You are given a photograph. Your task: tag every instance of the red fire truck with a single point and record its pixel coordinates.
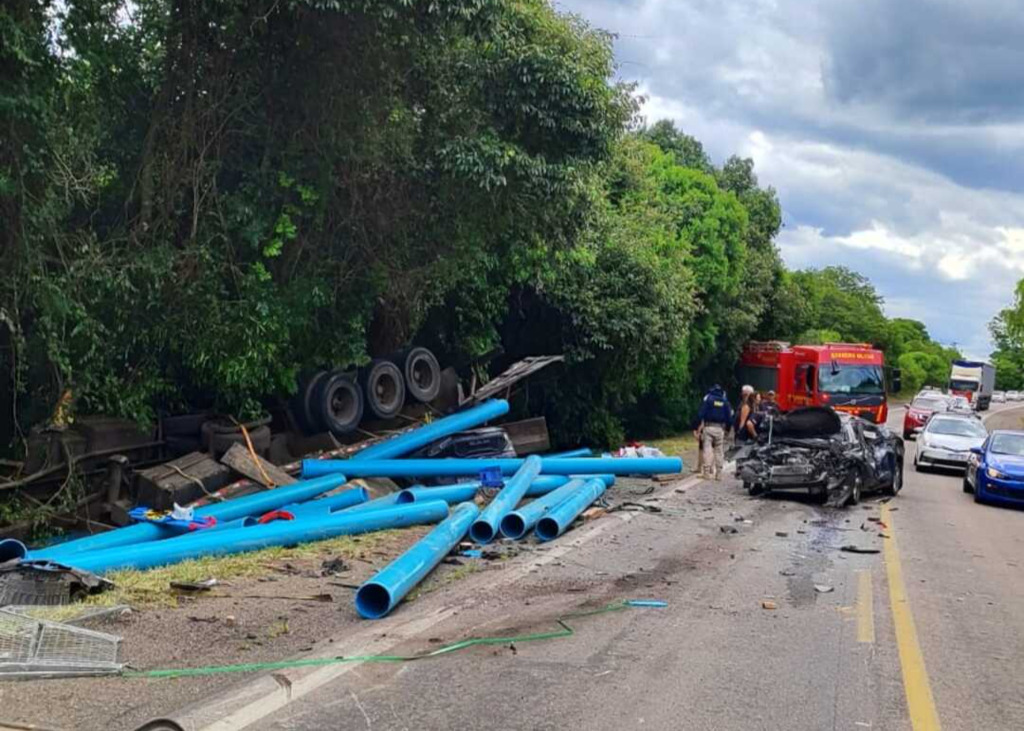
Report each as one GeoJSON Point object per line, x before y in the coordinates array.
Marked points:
{"type": "Point", "coordinates": [847, 376]}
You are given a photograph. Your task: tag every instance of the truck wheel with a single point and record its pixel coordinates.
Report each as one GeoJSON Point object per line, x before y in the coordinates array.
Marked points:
{"type": "Point", "coordinates": [384, 388]}
{"type": "Point", "coordinates": [422, 373]}
{"type": "Point", "coordinates": [218, 438]}
{"type": "Point", "coordinates": [302, 403]}
{"type": "Point", "coordinates": [339, 403]}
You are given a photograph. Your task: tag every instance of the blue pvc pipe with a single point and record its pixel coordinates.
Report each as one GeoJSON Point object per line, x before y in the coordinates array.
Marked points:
{"type": "Point", "coordinates": [508, 466]}
{"type": "Point", "coordinates": [11, 549]}
{"type": "Point", "coordinates": [344, 499]}
{"type": "Point", "coordinates": [545, 484]}
{"type": "Point", "coordinates": [485, 527]}
{"type": "Point", "coordinates": [554, 523]}
{"type": "Point", "coordinates": [451, 494]}
{"type": "Point", "coordinates": [379, 595]}
{"type": "Point", "coordinates": [385, 501]}
{"type": "Point", "coordinates": [278, 533]}
{"type": "Point", "coordinates": [246, 522]}
{"type": "Point", "coordinates": [405, 443]}
{"type": "Point", "coordinates": [518, 523]}
{"type": "Point", "coordinates": [257, 504]}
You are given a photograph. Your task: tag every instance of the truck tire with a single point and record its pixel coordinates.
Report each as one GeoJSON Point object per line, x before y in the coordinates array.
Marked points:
{"type": "Point", "coordinates": [218, 438]}
{"type": "Point", "coordinates": [422, 373]}
{"type": "Point", "coordinates": [383, 388]}
{"type": "Point", "coordinates": [302, 403]}
{"type": "Point", "coordinates": [339, 403]}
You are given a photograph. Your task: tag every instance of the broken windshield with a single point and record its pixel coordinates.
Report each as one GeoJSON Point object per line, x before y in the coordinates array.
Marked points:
{"type": "Point", "coordinates": [863, 380]}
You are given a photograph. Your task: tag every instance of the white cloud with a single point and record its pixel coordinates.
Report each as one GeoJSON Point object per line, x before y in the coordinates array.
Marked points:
{"type": "Point", "coordinates": [876, 167]}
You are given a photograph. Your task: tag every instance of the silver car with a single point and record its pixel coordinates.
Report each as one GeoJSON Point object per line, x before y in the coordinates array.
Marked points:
{"type": "Point", "coordinates": [946, 441]}
{"type": "Point", "coordinates": [998, 397]}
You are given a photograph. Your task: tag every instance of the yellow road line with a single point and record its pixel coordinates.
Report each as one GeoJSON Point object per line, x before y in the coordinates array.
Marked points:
{"type": "Point", "coordinates": [920, 702]}
{"type": "Point", "coordinates": [865, 608]}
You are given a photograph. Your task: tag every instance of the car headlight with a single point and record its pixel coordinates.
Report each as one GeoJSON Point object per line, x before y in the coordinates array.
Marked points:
{"type": "Point", "coordinates": [995, 474]}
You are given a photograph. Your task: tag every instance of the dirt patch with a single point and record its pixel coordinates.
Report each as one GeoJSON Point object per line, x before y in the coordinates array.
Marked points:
{"type": "Point", "coordinates": [257, 614]}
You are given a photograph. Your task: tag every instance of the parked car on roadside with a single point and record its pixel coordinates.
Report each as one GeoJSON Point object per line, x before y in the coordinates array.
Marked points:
{"type": "Point", "coordinates": [1013, 395]}
{"type": "Point", "coordinates": [831, 455]}
{"type": "Point", "coordinates": [946, 441]}
{"type": "Point", "coordinates": [998, 397]}
{"type": "Point", "coordinates": [920, 410]}
{"type": "Point", "coordinates": [995, 472]}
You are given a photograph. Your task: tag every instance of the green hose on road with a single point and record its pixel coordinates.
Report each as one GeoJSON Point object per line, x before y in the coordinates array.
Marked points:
{"type": "Point", "coordinates": [564, 631]}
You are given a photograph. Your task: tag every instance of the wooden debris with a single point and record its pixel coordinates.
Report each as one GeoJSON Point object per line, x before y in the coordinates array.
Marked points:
{"type": "Point", "coordinates": [241, 461]}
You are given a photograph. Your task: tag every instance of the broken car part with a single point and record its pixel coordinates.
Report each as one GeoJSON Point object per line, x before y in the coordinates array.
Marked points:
{"type": "Point", "coordinates": [831, 455]}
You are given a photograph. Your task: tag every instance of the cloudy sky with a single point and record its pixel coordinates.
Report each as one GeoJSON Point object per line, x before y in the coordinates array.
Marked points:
{"type": "Point", "coordinates": [892, 130]}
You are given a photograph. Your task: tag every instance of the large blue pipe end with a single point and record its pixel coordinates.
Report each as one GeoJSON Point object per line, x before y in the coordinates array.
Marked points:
{"type": "Point", "coordinates": [547, 529]}
{"type": "Point", "coordinates": [513, 526]}
{"type": "Point", "coordinates": [11, 549]}
{"type": "Point", "coordinates": [373, 600]}
{"type": "Point", "coordinates": [481, 531]}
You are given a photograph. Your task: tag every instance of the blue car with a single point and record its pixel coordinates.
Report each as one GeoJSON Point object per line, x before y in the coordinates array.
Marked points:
{"type": "Point", "coordinates": [995, 471]}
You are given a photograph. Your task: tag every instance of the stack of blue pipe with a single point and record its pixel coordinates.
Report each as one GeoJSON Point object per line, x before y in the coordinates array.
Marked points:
{"type": "Point", "coordinates": [564, 485]}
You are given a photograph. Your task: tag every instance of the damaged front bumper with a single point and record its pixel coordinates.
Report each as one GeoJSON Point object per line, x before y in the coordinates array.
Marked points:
{"type": "Point", "coordinates": [822, 470]}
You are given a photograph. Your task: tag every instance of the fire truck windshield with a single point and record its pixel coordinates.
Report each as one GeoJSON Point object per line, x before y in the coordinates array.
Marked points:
{"type": "Point", "coordinates": [864, 380]}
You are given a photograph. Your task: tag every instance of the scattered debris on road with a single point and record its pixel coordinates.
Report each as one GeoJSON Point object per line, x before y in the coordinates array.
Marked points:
{"type": "Point", "coordinates": [859, 549]}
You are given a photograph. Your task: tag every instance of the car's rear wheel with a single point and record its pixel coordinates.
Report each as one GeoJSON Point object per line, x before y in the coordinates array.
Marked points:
{"type": "Point", "coordinates": [907, 435]}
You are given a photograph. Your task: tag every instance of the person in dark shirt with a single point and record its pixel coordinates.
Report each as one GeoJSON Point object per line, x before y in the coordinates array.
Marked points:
{"type": "Point", "coordinates": [715, 420]}
{"type": "Point", "coordinates": [746, 426]}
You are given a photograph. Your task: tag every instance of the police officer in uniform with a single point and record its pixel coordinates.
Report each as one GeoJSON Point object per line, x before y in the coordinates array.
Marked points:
{"type": "Point", "coordinates": [715, 416]}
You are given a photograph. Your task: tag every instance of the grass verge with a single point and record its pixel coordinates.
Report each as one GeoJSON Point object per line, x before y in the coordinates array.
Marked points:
{"type": "Point", "coordinates": [152, 586]}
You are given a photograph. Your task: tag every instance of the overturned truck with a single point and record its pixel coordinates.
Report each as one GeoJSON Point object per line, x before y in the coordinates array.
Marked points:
{"type": "Point", "coordinates": [833, 456]}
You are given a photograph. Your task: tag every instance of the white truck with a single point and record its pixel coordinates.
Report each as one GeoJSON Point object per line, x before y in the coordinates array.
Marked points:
{"type": "Point", "coordinates": [974, 379]}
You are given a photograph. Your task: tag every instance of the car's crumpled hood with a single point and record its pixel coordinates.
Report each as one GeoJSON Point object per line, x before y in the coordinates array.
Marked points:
{"type": "Point", "coordinates": [810, 422]}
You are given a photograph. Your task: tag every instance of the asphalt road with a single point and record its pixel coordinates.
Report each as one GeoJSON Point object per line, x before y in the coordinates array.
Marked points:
{"type": "Point", "coordinates": [770, 627]}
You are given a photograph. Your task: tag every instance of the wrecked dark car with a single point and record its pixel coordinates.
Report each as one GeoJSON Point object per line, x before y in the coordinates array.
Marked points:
{"type": "Point", "coordinates": [833, 456]}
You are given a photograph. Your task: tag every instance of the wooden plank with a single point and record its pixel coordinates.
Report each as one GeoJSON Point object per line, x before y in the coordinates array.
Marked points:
{"type": "Point", "coordinates": [181, 481]}
{"type": "Point", "coordinates": [240, 460]}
